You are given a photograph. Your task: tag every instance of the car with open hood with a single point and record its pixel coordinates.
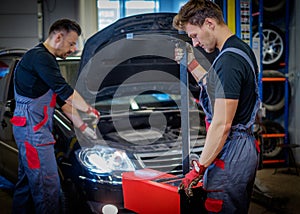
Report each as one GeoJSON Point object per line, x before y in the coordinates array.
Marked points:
{"type": "Point", "coordinates": [127, 72]}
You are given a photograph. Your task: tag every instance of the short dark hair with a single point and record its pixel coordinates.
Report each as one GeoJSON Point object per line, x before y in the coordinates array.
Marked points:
{"type": "Point", "coordinates": [65, 24]}
{"type": "Point", "coordinates": [195, 12]}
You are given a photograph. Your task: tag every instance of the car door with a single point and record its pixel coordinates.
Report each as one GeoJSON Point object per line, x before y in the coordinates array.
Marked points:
{"type": "Point", "coordinates": [8, 148]}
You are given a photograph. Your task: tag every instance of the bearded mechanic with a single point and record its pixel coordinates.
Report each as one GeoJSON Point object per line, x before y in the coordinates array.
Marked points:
{"type": "Point", "coordinates": [229, 97]}
{"type": "Point", "coordinates": [38, 82]}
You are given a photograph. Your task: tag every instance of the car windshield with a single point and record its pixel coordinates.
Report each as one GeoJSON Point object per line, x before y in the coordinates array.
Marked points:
{"type": "Point", "coordinates": [159, 96]}
{"type": "Point", "coordinates": [148, 101]}
{"type": "Point", "coordinates": [69, 69]}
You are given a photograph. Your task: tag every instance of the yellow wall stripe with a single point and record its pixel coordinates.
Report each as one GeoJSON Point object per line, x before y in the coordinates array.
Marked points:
{"type": "Point", "coordinates": [231, 15]}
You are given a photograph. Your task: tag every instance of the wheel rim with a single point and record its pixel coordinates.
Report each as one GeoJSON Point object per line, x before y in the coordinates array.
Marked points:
{"type": "Point", "coordinates": [272, 46]}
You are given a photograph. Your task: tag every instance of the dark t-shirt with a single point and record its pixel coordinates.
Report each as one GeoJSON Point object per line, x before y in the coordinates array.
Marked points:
{"type": "Point", "coordinates": [37, 72]}
{"type": "Point", "coordinates": [234, 79]}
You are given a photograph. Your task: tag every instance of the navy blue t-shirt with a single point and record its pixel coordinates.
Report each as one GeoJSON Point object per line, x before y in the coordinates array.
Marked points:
{"type": "Point", "coordinates": [37, 72]}
{"type": "Point", "coordinates": [234, 79]}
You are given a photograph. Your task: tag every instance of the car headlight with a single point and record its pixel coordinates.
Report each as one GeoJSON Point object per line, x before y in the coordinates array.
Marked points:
{"type": "Point", "coordinates": [104, 160]}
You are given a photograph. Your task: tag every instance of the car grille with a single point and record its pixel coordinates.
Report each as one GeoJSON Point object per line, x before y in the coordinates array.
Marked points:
{"type": "Point", "coordinates": [168, 161]}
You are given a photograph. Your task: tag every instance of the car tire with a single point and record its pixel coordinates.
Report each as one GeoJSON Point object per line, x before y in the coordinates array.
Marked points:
{"type": "Point", "coordinates": [272, 9]}
{"type": "Point", "coordinates": [270, 145]}
{"type": "Point", "coordinates": [273, 91]}
{"type": "Point", "coordinates": [274, 95]}
{"type": "Point", "coordinates": [73, 201]}
{"type": "Point", "coordinates": [64, 202]}
{"type": "Point", "coordinates": [273, 46]}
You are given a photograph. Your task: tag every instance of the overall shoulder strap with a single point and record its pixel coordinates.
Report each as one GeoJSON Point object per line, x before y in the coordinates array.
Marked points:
{"type": "Point", "coordinates": [239, 52]}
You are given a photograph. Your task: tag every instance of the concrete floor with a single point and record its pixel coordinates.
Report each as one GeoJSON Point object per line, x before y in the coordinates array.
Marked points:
{"type": "Point", "coordinates": [5, 201]}
{"type": "Point", "coordinates": [279, 193]}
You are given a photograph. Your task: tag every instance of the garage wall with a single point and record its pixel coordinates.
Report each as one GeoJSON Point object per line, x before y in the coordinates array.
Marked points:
{"type": "Point", "coordinates": [18, 21]}
{"type": "Point", "coordinates": [82, 11]}
{"type": "Point", "coordinates": [294, 77]}
{"type": "Point", "coordinates": [167, 6]}
{"type": "Point", "coordinates": [25, 23]}
{"type": "Point", "coordinates": [57, 9]}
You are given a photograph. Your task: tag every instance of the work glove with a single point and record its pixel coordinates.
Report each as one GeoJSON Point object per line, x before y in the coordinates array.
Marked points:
{"type": "Point", "coordinates": [179, 53]}
{"type": "Point", "coordinates": [88, 132]}
{"type": "Point", "coordinates": [192, 178]}
{"type": "Point", "coordinates": [92, 112]}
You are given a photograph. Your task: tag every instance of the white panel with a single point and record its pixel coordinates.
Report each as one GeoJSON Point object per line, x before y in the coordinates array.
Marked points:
{"type": "Point", "coordinates": [87, 19]}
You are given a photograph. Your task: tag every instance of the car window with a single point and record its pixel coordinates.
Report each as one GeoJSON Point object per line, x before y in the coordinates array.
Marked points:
{"type": "Point", "coordinates": [4, 69]}
{"type": "Point", "coordinates": [7, 66]}
{"type": "Point", "coordinates": [69, 69]}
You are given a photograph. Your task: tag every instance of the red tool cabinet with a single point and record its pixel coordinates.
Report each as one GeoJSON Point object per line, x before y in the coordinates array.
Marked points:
{"type": "Point", "coordinates": [149, 191]}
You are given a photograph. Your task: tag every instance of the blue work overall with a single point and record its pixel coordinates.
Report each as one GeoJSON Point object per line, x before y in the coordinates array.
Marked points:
{"type": "Point", "coordinates": [229, 179]}
{"type": "Point", "coordinates": [38, 180]}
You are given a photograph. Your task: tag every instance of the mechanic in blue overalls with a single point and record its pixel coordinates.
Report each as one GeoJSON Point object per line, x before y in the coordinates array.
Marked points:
{"type": "Point", "coordinates": [229, 97]}
{"type": "Point", "coordinates": [38, 82]}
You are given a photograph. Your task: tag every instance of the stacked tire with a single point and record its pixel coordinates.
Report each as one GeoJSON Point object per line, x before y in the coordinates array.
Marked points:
{"type": "Point", "coordinates": [273, 61]}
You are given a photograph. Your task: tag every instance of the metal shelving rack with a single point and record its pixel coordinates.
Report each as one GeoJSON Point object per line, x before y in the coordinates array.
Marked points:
{"type": "Point", "coordinates": [286, 145]}
{"type": "Point", "coordinates": [238, 16]}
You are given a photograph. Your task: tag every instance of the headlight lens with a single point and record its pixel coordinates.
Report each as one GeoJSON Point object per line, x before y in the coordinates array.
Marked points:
{"type": "Point", "coordinates": [105, 160]}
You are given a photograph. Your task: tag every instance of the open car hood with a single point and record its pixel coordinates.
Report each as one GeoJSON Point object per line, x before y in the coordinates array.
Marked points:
{"type": "Point", "coordinates": [152, 23]}
{"type": "Point", "coordinates": [129, 50]}
{"type": "Point", "coordinates": [133, 59]}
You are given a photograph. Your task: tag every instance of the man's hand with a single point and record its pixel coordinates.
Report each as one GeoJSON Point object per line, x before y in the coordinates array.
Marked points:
{"type": "Point", "coordinates": [179, 53]}
{"type": "Point", "coordinates": [192, 178]}
{"type": "Point", "coordinates": [92, 112]}
{"type": "Point", "coordinates": [88, 132]}
{"type": "Point", "coordinates": [193, 66]}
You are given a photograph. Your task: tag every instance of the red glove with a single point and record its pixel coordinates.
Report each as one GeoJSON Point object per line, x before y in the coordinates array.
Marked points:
{"type": "Point", "coordinates": [92, 112]}
{"type": "Point", "coordinates": [87, 131]}
{"type": "Point", "coordinates": [192, 178]}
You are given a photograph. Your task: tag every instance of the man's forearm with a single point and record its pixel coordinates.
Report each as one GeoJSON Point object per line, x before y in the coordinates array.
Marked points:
{"type": "Point", "coordinates": [196, 70]}
{"type": "Point", "coordinates": [215, 140]}
{"type": "Point", "coordinates": [72, 114]}
{"type": "Point", "coordinates": [77, 102]}
{"type": "Point", "coordinates": [224, 111]}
